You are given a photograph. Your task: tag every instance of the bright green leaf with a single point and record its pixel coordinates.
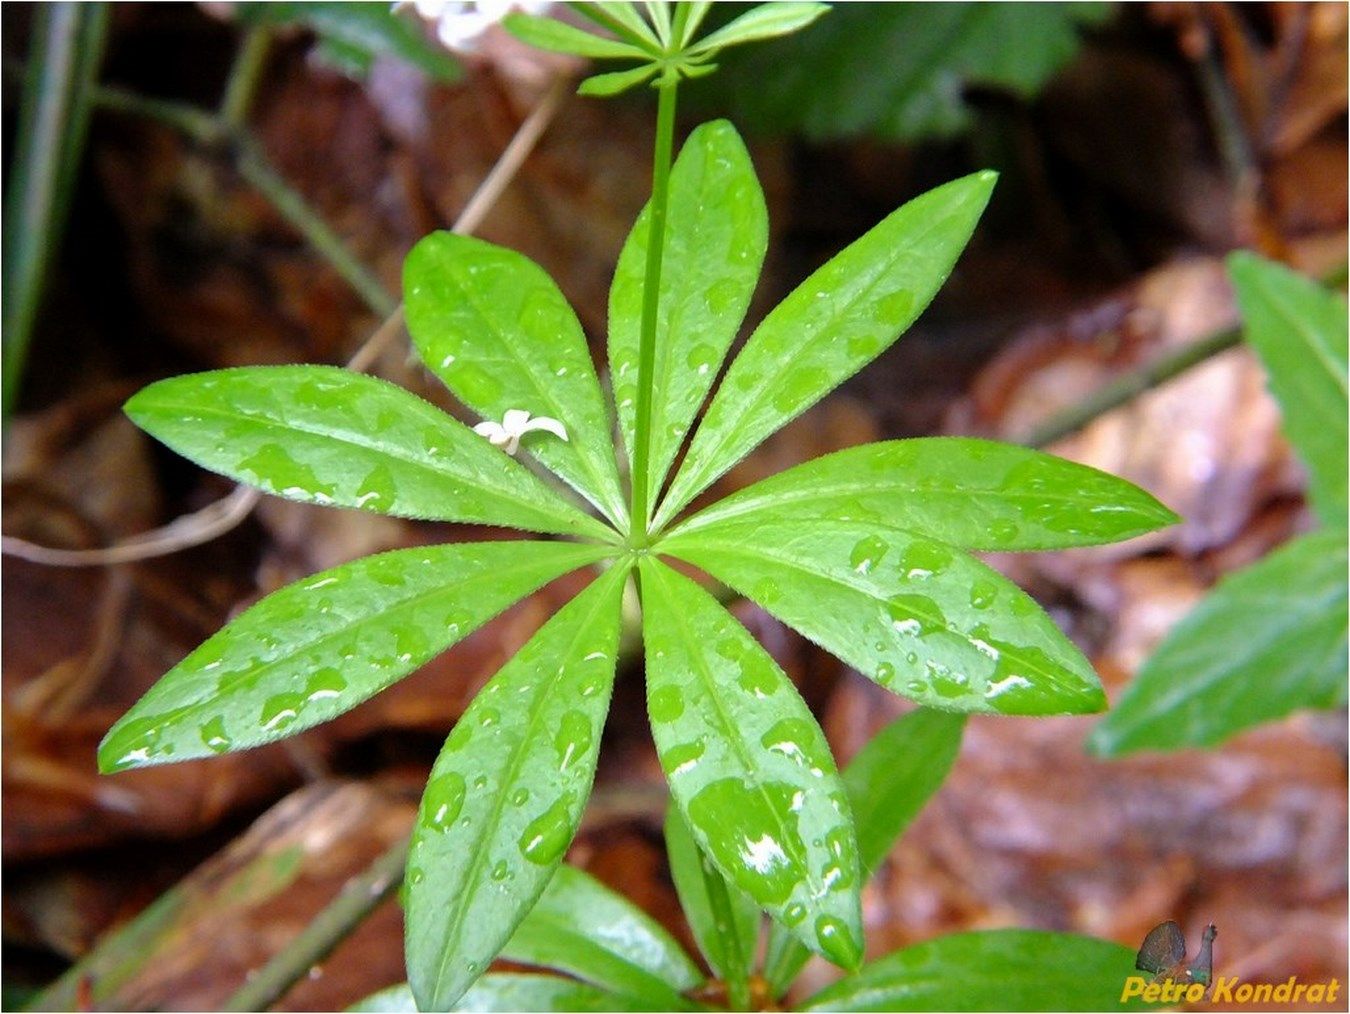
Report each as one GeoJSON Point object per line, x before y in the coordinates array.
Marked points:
{"type": "Point", "coordinates": [494, 327]}
{"type": "Point", "coordinates": [724, 920]}
{"type": "Point", "coordinates": [624, 21]}
{"type": "Point", "coordinates": [832, 325]}
{"type": "Point", "coordinates": [1268, 640]}
{"type": "Point", "coordinates": [994, 970]}
{"type": "Point", "coordinates": [888, 783]}
{"type": "Point", "coordinates": [717, 230]}
{"type": "Point", "coordinates": [583, 928]}
{"type": "Point", "coordinates": [324, 435]}
{"type": "Point", "coordinates": [698, 10]}
{"type": "Point", "coordinates": [505, 796]}
{"type": "Point", "coordinates": [508, 992]}
{"type": "Point", "coordinates": [767, 21]}
{"type": "Point", "coordinates": [321, 646]}
{"type": "Point", "coordinates": [604, 85]}
{"type": "Point", "coordinates": [748, 765]}
{"type": "Point", "coordinates": [977, 494]}
{"type": "Point", "coordinates": [558, 37]}
{"type": "Point", "coordinates": [1299, 330]}
{"type": "Point", "coordinates": [919, 617]}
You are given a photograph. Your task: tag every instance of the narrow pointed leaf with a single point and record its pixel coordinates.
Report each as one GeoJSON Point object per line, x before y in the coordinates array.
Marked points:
{"type": "Point", "coordinates": [919, 617]}
{"type": "Point", "coordinates": [994, 970]}
{"type": "Point", "coordinates": [767, 21]}
{"type": "Point", "coordinates": [832, 325]}
{"type": "Point", "coordinates": [1268, 640]}
{"type": "Point", "coordinates": [716, 233]}
{"type": "Point", "coordinates": [505, 796]}
{"type": "Point", "coordinates": [748, 766]}
{"type": "Point", "coordinates": [603, 85]}
{"type": "Point", "coordinates": [977, 494]}
{"type": "Point", "coordinates": [698, 10]}
{"type": "Point", "coordinates": [321, 646]}
{"type": "Point", "coordinates": [558, 37]}
{"type": "Point", "coordinates": [888, 783]}
{"type": "Point", "coordinates": [508, 992]}
{"type": "Point", "coordinates": [1299, 330]}
{"type": "Point", "coordinates": [583, 928]}
{"type": "Point", "coordinates": [623, 20]}
{"type": "Point", "coordinates": [323, 435]}
{"type": "Point", "coordinates": [493, 326]}
{"type": "Point", "coordinates": [724, 920]}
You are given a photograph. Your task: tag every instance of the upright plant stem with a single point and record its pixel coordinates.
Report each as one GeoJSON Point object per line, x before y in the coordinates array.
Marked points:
{"type": "Point", "coordinates": [651, 295]}
{"type": "Point", "coordinates": [245, 76]}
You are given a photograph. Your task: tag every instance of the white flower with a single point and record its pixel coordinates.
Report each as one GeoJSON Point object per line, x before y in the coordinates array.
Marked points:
{"type": "Point", "coordinates": [514, 425]}
{"type": "Point", "coordinates": [459, 24]}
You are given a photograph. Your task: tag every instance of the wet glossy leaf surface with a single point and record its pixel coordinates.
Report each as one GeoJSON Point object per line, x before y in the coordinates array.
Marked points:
{"type": "Point", "coordinates": [329, 436]}
{"type": "Point", "coordinates": [724, 920]}
{"type": "Point", "coordinates": [583, 928]}
{"type": "Point", "coordinates": [978, 494]}
{"type": "Point", "coordinates": [920, 618]}
{"type": "Point", "coordinates": [748, 766]}
{"type": "Point", "coordinates": [494, 327]}
{"type": "Point", "coordinates": [1268, 640]}
{"type": "Point", "coordinates": [888, 783]}
{"type": "Point", "coordinates": [717, 229]}
{"type": "Point", "coordinates": [836, 322]}
{"type": "Point", "coordinates": [1299, 330]}
{"type": "Point", "coordinates": [508, 992]}
{"type": "Point", "coordinates": [505, 796]}
{"type": "Point", "coordinates": [321, 646]}
{"type": "Point", "coordinates": [997, 970]}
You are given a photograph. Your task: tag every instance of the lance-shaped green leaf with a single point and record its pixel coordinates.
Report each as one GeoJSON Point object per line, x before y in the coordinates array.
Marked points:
{"type": "Point", "coordinates": [888, 783]}
{"type": "Point", "coordinates": [1299, 330]}
{"type": "Point", "coordinates": [832, 325]}
{"type": "Point", "coordinates": [716, 232]}
{"type": "Point", "coordinates": [748, 766]}
{"type": "Point", "coordinates": [994, 970]}
{"type": "Point", "coordinates": [508, 992]}
{"type": "Point", "coordinates": [506, 794]}
{"type": "Point", "coordinates": [624, 21]}
{"type": "Point", "coordinates": [724, 920]}
{"type": "Point", "coordinates": [583, 928]}
{"type": "Point", "coordinates": [493, 326]}
{"type": "Point", "coordinates": [322, 645]}
{"type": "Point", "coordinates": [977, 494]}
{"type": "Point", "coordinates": [767, 21]}
{"type": "Point", "coordinates": [558, 37]}
{"type": "Point", "coordinates": [605, 85]}
{"type": "Point", "coordinates": [1268, 640]}
{"type": "Point", "coordinates": [919, 617]}
{"type": "Point", "coordinates": [324, 435]}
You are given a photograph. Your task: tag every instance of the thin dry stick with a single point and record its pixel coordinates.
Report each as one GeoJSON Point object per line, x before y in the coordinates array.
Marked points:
{"type": "Point", "coordinates": [229, 511]}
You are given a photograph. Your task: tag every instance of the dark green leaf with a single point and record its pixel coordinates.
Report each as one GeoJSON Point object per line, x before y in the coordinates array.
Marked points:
{"type": "Point", "coordinates": [767, 21]}
{"type": "Point", "coordinates": [717, 229]}
{"type": "Point", "coordinates": [888, 783]}
{"type": "Point", "coordinates": [832, 325]}
{"type": "Point", "coordinates": [748, 765]}
{"type": "Point", "coordinates": [1268, 640]}
{"type": "Point", "coordinates": [919, 617]}
{"type": "Point", "coordinates": [508, 992]}
{"type": "Point", "coordinates": [321, 646]}
{"type": "Point", "coordinates": [1299, 330]}
{"type": "Point", "coordinates": [897, 71]}
{"type": "Point", "coordinates": [557, 37]}
{"type": "Point", "coordinates": [324, 435]}
{"type": "Point", "coordinates": [995, 970]}
{"type": "Point", "coordinates": [583, 928]}
{"type": "Point", "coordinates": [724, 920]}
{"type": "Point", "coordinates": [976, 494]}
{"type": "Point", "coordinates": [506, 794]}
{"type": "Point", "coordinates": [493, 326]}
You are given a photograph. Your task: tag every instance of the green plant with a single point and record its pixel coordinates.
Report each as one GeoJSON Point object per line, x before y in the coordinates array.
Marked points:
{"type": "Point", "coordinates": [863, 551]}
{"type": "Point", "coordinates": [1270, 639]}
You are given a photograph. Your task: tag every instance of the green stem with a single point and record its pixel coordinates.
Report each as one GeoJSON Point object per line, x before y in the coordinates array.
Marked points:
{"type": "Point", "coordinates": [651, 296]}
{"type": "Point", "coordinates": [245, 76]}
{"type": "Point", "coordinates": [738, 986]}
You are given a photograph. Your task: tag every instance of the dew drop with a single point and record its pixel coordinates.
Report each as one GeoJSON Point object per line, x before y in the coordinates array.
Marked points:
{"type": "Point", "coordinates": [520, 796]}
{"type": "Point", "coordinates": [794, 914]}
{"type": "Point", "coordinates": [867, 554]}
{"type": "Point", "coordinates": [665, 704]}
{"type": "Point", "coordinates": [215, 737]}
{"type": "Point", "coordinates": [325, 684]}
{"type": "Point", "coordinates": [573, 740]}
{"type": "Point", "coordinates": [885, 673]}
{"type": "Point", "coordinates": [679, 759]}
{"type": "Point", "coordinates": [837, 941]}
{"type": "Point", "coordinates": [983, 594]}
{"type": "Point", "coordinates": [753, 830]}
{"type": "Point", "coordinates": [280, 710]}
{"type": "Point", "coordinates": [501, 871]}
{"type": "Point", "coordinates": [443, 801]}
{"type": "Point", "coordinates": [548, 835]}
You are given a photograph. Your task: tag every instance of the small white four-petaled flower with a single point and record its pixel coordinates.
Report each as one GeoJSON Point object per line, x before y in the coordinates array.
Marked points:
{"type": "Point", "coordinates": [514, 425]}
{"type": "Point", "coordinates": [459, 24]}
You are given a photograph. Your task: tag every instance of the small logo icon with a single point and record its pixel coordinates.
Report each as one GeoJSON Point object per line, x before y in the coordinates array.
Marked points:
{"type": "Point", "coordinates": [1164, 955]}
